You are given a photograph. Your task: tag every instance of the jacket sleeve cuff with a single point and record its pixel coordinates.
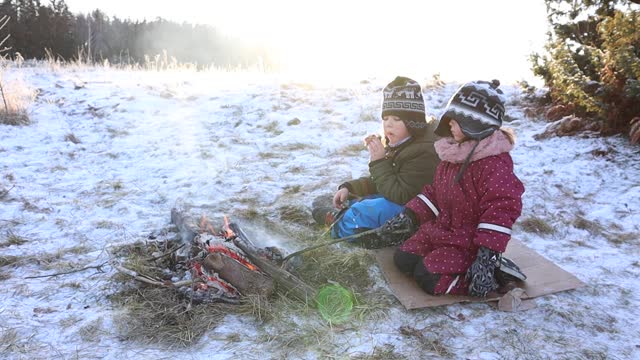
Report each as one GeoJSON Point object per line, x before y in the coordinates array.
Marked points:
{"type": "Point", "coordinates": [423, 208]}
{"type": "Point", "coordinates": [492, 236]}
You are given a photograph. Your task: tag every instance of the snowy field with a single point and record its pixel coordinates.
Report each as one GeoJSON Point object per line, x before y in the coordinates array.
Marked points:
{"type": "Point", "coordinates": [110, 152]}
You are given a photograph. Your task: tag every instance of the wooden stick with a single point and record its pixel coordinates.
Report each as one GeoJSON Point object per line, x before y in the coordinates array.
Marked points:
{"type": "Point", "coordinates": [149, 280]}
{"type": "Point", "coordinates": [97, 267]}
{"type": "Point", "coordinates": [171, 251]}
{"type": "Point", "coordinates": [352, 237]}
{"type": "Point", "coordinates": [284, 279]}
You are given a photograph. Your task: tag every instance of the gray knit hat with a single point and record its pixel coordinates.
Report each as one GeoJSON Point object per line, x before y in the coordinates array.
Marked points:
{"type": "Point", "coordinates": [478, 107]}
{"type": "Point", "coordinates": [403, 98]}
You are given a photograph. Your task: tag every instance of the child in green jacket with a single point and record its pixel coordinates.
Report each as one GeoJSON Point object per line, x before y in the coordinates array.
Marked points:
{"type": "Point", "coordinates": [400, 164]}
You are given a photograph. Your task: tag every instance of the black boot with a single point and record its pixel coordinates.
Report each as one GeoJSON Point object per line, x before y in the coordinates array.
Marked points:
{"type": "Point", "coordinates": [509, 270]}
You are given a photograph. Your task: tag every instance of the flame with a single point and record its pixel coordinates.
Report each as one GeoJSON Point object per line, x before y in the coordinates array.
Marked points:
{"type": "Point", "coordinates": [228, 233]}
{"type": "Point", "coordinates": [205, 225]}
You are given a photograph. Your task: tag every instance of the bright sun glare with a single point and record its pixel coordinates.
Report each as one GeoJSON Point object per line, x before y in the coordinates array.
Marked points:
{"type": "Point", "coordinates": [334, 39]}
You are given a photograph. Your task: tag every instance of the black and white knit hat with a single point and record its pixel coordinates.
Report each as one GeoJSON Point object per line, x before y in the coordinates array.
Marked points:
{"type": "Point", "coordinates": [403, 98]}
{"type": "Point", "coordinates": [478, 107]}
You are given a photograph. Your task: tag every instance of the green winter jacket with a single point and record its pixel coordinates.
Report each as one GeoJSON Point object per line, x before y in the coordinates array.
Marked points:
{"type": "Point", "coordinates": [400, 176]}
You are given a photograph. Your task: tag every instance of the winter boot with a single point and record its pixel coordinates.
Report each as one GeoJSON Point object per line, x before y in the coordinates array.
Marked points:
{"type": "Point", "coordinates": [325, 215]}
{"type": "Point", "coordinates": [509, 271]}
{"type": "Point", "coordinates": [325, 200]}
{"type": "Point", "coordinates": [323, 211]}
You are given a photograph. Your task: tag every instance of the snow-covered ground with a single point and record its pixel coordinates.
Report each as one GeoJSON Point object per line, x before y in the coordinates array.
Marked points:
{"type": "Point", "coordinates": [103, 164]}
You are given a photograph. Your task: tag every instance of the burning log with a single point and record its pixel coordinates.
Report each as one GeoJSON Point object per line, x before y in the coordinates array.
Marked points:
{"type": "Point", "coordinates": [247, 277]}
{"type": "Point", "coordinates": [289, 282]}
{"type": "Point", "coordinates": [248, 282]}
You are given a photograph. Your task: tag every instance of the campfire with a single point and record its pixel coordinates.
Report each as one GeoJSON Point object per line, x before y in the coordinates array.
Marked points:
{"type": "Point", "coordinates": [209, 265]}
{"type": "Point", "coordinates": [220, 269]}
{"type": "Point", "coordinates": [189, 276]}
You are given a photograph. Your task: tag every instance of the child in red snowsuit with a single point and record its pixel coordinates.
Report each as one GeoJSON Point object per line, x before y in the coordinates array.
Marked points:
{"type": "Point", "coordinates": [464, 218]}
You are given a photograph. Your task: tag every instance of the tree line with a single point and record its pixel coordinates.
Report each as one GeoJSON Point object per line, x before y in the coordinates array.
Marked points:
{"type": "Point", "coordinates": [37, 31]}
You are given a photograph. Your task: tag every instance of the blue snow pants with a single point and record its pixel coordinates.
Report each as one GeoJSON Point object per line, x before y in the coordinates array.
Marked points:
{"type": "Point", "coordinates": [368, 213]}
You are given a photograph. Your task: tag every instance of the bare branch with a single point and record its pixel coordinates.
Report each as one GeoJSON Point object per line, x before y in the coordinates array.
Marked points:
{"type": "Point", "coordinates": [97, 267]}
{"type": "Point", "coordinates": [2, 42]}
{"type": "Point", "coordinates": [152, 281]}
{"type": "Point", "coordinates": [3, 22]}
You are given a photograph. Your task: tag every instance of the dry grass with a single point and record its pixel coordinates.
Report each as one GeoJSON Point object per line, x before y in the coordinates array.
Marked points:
{"type": "Point", "coordinates": [594, 228]}
{"type": "Point", "coordinates": [163, 316]}
{"type": "Point", "coordinates": [91, 332]}
{"type": "Point", "coordinates": [292, 189]}
{"type": "Point", "coordinates": [296, 170]}
{"type": "Point", "coordinates": [72, 138]}
{"type": "Point", "coordinates": [8, 338]}
{"type": "Point", "coordinates": [69, 321]}
{"type": "Point", "coordinates": [271, 155]}
{"type": "Point", "coordinates": [12, 238]}
{"type": "Point", "coordinates": [384, 352]}
{"type": "Point", "coordinates": [534, 224]}
{"type": "Point", "coordinates": [427, 341]}
{"type": "Point", "coordinates": [295, 214]}
{"type": "Point", "coordinates": [272, 127]}
{"type": "Point", "coordinates": [351, 150]}
{"type": "Point", "coordinates": [295, 147]}
{"type": "Point", "coordinates": [294, 121]}
{"type": "Point", "coordinates": [4, 191]}
{"type": "Point", "coordinates": [344, 266]}
{"type": "Point", "coordinates": [20, 345]}
{"type": "Point", "coordinates": [16, 98]}
{"type": "Point", "coordinates": [7, 260]}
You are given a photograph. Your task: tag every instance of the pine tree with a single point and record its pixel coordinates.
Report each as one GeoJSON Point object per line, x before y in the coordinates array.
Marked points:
{"type": "Point", "coordinates": [593, 59]}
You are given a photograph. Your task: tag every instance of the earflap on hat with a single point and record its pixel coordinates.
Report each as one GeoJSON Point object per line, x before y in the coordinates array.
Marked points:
{"type": "Point", "coordinates": [416, 124]}
{"type": "Point", "coordinates": [443, 128]}
{"type": "Point", "coordinates": [478, 107]}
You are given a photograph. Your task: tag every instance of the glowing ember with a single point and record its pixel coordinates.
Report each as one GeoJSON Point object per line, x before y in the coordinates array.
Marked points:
{"type": "Point", "coordinates": [232, 254]}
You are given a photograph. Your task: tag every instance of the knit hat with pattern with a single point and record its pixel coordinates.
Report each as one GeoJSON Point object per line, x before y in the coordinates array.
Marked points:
{"type": "Point", "coordinates": [478, 107]}
{"type": "Point", "coordinates": [403, 98]}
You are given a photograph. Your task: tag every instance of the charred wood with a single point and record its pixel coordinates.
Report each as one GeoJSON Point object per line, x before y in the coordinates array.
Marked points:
{"type": "Point", "coordinates": [284, 280]}
{"type": "Point", "coordinates": [248, 282]}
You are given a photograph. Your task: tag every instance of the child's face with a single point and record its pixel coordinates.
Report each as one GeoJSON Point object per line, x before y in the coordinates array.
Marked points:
{"type": "Point", "coordinates": [456, 131]}
{"type": "Point", "coordinates": [394, 129]}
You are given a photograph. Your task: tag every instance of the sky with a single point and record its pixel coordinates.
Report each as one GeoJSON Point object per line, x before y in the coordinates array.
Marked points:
{"type": "Point", "coordinates": [461, 40]}
{"type": "Point", "coordinates": [226, 142]}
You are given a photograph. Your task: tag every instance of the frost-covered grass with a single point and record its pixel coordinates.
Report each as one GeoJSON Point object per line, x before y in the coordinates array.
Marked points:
{"type": "Point", "coordinates": [15, 98]}
{"type": "Point", "coordinates": [109, 152]}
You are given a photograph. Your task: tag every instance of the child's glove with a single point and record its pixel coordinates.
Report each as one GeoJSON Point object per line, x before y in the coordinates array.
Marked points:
{"type": "Point", "coordinates": [481, 273]}
{"type": "Point", "coordinates": [398, 229]}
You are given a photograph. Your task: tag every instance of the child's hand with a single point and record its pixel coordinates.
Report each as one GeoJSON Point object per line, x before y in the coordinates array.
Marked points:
{"type": "Point", "coordinates": [370, 138]}
{"type": "Point", "coordinates": [340, 198]}
{"type": "Point", "coordinates": [375, 147]}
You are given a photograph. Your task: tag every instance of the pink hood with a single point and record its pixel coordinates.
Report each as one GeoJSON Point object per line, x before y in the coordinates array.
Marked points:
{"type": "Point", "coordinates": [451, 151]}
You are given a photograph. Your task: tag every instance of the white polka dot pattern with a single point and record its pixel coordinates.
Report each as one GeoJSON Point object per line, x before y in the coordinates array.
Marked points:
{"type": "Point", "coordinates": [488, 193]}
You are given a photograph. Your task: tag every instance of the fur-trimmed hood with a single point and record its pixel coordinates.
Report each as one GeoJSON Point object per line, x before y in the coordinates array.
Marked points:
{"type": "Point", "coordinates": [450, 150]}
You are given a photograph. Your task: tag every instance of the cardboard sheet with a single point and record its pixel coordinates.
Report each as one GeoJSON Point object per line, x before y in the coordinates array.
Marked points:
{"type": "Point", "coordinates": [543, 277]}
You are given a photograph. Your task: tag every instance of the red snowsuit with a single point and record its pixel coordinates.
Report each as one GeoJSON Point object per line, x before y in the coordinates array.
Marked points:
{"type": "Point", "coordinates": [456, 219]}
